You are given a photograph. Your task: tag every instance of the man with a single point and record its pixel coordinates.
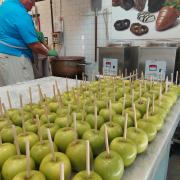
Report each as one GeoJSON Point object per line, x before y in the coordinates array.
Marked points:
{"type": "Point", "coordinates": [18, 39]}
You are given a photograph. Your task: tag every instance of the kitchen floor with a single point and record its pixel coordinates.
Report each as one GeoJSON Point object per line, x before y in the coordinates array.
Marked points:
{"type": "Point", "coordinates": [174, 162]}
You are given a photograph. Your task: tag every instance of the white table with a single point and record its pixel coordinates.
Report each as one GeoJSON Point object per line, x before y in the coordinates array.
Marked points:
{"type": "Point", "coordinates": [151, 165]}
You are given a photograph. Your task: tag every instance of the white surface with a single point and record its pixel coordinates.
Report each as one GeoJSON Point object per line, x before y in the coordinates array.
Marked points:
{"type": "Point", "coordinates": [144, 164]}
{"type": "Point", "coordinates": [22, 88]}
{"type": "Point", "coordinates": [119, 13]}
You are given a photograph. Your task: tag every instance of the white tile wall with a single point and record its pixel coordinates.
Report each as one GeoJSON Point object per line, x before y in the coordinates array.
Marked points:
{"type": "Point", "coordinates": [79, 24]}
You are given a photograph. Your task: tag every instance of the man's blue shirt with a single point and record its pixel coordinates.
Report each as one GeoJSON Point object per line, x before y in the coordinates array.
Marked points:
{"type": "Point", "coordinates": [16, 28]}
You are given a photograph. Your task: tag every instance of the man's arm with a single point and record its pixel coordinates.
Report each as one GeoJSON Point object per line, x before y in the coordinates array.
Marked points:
{"type": "Point", "coordinates": [39, 48]}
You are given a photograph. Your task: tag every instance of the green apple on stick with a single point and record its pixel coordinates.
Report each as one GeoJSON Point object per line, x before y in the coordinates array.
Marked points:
{"type": "Point", "coordinates": [88, 174]}
{"type": "Point", "coordinates": [50, 163]}
{"type": "Point", "coordinates": [17, 163]}
{"type": "Point", "coordinates": [124, 146]}
{"type": "Point", "coordinates": [95, 138]}
{"type": "Point", "coordinates": [109, 164]}
{"type": "Point", "coordinates": [138, 136]}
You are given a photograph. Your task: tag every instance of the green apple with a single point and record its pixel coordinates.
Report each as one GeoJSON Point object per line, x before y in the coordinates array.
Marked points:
{"type": "Point", "coordinates": [76, 151]}
{"type": "Point", "coordinates": [117, 107]}
{"type": "Point", "coordinates": [63, 121]}
{"type": "Point", "coordinates": [7, 135]}
{"type": "Point", "coordinates": [128, 102]}
{"type": "Point", "coordinates": [126, 149]}
{"type": "Point", "coordinates": [37, 111]}
{"type": "Point", "coordinates": [11, 112]}
{"type": "Point", "coordinates": [105, 113]}
{"type": "Point", "coordinates": [157, 120]}
{"type": "Point", "coordinates": [35, 175]}
{"type": "Point", "coordinates": [64, 137]}
{"type": "Point", "coordinates": [90, 119]}
{"type": "Point", "coordinates": [89, 109]}
{"type": "Point", "coordinates": [16, 119]}
{"type": "Point", "coordinates": [109, 167]}
{"type": "Point", "coordinates": [120, 120]}
{"type": "Point", "coordinates": [81, 126]}
{"type": "Point", "coordinates": [101, 104]}
{"type": "Point", "coordinates": [82, 175]}
{"type": "Point", "coordinates": [31, 125]}
{"type": "Point", "coordinates": [40, 150]}
{"type": "Point", "coordinates": [149, 128]}
{"type": "Point", "coordinates": [6, 150]}
{"type": "Point", "coordinates": [141, 105]}
{"type": "Point", "coordinates": [139, 137]}
{"type": "Point", "coordinates": [14, 165]}
{"type": "Point", "coordinates": [62, 112]}
{"type": "Point", "coordinates": [78, 115]}
{"type": "Point", "coordinates": [131, 113]}
{"type": "Point", "coordinates": [53, 106]}
{"type": "Point", "coordinates": [96, 140]}
{"type": "Point", "coordinates": [114, 130]}
{"type": "Point", "coordinates": [51, 169]}
{"type": "Point", "coordinates": [30, 107]}
{"type": "Point", "coordinates": [53, 128]}
{"type": "Point", "coordinates": [22, 137]}
{"type": "Point", "coordinates": [51, 118]}
{"type": "Point", "coordinates": [4, 123]}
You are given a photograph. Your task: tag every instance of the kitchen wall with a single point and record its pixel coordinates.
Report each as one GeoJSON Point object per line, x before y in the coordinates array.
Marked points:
{"type": "Point", "coordinates": [79, 27]}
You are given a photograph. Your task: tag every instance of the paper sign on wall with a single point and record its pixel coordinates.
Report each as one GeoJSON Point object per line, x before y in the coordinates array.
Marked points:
{"type": "Point", "coordinates": [155, 69]}
{"type": "Point", "coordinates": [110, 66]}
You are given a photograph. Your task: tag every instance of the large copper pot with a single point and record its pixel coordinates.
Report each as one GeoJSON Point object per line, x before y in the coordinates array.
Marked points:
{"type": "Point", "coordinates": [68, 66]}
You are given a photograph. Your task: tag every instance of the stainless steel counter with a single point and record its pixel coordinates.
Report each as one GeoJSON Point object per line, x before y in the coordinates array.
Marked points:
{"type": "Point", "coordinates": [146, 165]}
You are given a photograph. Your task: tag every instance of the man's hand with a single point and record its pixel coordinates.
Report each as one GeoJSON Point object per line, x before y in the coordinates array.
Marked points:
{"type": "Point", "coordinates": [52, 53]}
{"type": "Point", "coordinates": [40, 36]}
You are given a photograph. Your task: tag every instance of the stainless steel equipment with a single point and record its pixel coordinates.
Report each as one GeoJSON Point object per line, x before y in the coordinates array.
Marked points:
{"type": "Point", "coordinates": [125, 55]}
{"type": "Point", "coordinates": [158, 59]}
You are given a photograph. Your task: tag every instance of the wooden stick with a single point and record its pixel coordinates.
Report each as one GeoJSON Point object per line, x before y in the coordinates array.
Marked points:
{"type": "Point", "coordinates": [88, 158]}
{"type": "Point", "coordinates": [177, 75]}
{"type": "Point", "coordinates": [30, 96]}
{"type": "Point", "coordinates": [4, 108]}
{"type": "Point", "coordinates": [74, 121]}
{"type": "Point", "coordinates": [171, 78]}
{"type": "Point", "coordinates": [140, 89]}
{"type": "Point", "coordinates": [76, 82]}
{"type": "Point", "coordinates": [83, 112]}
{"type": "Point", "coordinates": [147, 108]}
{"type": "Point", "coordinates": [54, 91]}
{"type": "Point", "coordinates": [136, 74]}
{"type": "Point", "coordinates": [46, 109]}
{"type": "Point", "coordinates": [125, 72]}
{"type": "Point", "coordinates": [110, 111]}
{"type": "Point", "coordinates": [51, 145]}
{"type": "Point", "coordinates": [125, 126]}
{"type": "Point", "coordinates": [22, 113]}
{"type": "Point", "coordinates": [166, 88]}
{"type": "Point", "coordinates": [135, 116]}
{"type": "Point", "coordinates": [124, 104]}
{"type": "Point", "coordinates": [95, 118]}
{"type": "Point", "coordinates": [124, 87]}
{"type": "Point", "coordinates": [1, 109]}
{"type": "Point", "coordinates": [40, 92]}
{"type": "Point", "coordinates": [9, 100]}
{"type": "Point", "coordinates": [15, 140]}
{"type": "Point", "coordinates": [132, 96]}
{"type": "Point", "coordinates": [69, 115]}
{"type": "Point", "coordinates": [39, 129]}
{"type": "Point", "coordinates": [62, 171]}
{"type": "Point", "coordinates": [67, 86]}
{"type": "Point", "coordinates": [28, 166]}
{"type": "Point", "coordinates": [160, 94]}
{"type": "Point", "coordinates": [153, 103]}
{"type": "Point", "coordinates": [106, 140]}
{"type": "Point", "coordinates": [145, 85]}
